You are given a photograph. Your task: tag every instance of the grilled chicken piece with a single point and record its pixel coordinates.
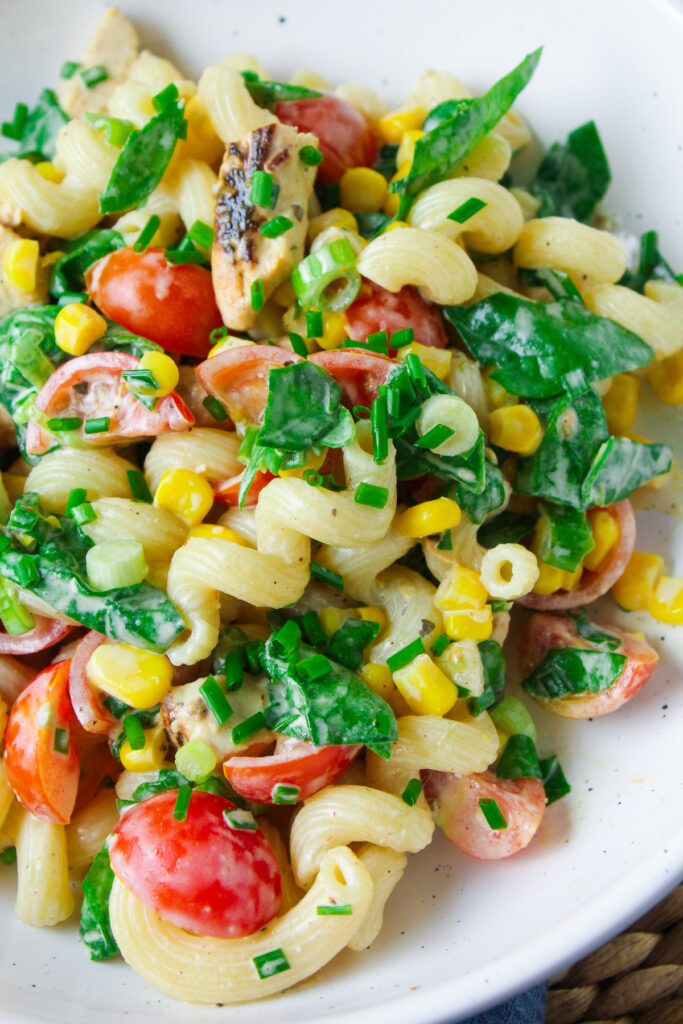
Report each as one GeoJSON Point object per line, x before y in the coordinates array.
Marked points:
{"type": "Point", "coordinates": [115, 46]}
{"type": "Point", "coordinates": [185, 716]}
{"type": "Point", "coordinates": [240, 254]}
{"type": "Point", "coordinates": [11, 300]}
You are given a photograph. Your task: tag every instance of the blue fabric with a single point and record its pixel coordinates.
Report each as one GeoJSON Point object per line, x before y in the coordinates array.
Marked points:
{"type": "Point", "coordinates": [529, 1008]}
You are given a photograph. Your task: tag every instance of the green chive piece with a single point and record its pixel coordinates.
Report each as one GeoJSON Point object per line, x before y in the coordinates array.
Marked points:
{"type": "Point", "coordinates": [94, 75]}
{"type": "Point", "coordinates": [69, 69]}
{"type": "Point", "coordinates": [141, 382]}
{"type": "Point", "coordinates": [96, 425]}
{"type": "Point", "coordinates": [234, 669]}
{"type": "Point", "coordinates": [435, 437]}
{"type": "Point", "coordinates": [60, 423]}
{"type": "Point", "coordinates": [9, 856]}
{"type": "Point", "coordinates": [440, 644]}
{"type": "Point", "coordinates": [215, 700]}
{"type": "Point", "coordinates": [312, 478]}
{"type": "Point", "coordinates": [361, 412]}
{"type": "Point", "coordinates": [380, 431]}
{"type": "Point", "coordinates": [334, 910]}
{"type": "Point", "coordinates": [201, 234]}
{"type": "Point", "coordinates": [314, 667]}
{"type": "Point", "coordinates": [165, 98]}
{"type": "Point", "coordinates": [217, 334]}
{"type": "Point", "coordinates": [417, 373]}
{"type": "Point", "coordinates": [323, 575]}
{"type": "Point", "coordinates": [147, 233]}
{"type": "Point", "coordinates": [138, 486]}
{"type": "Point", "coordinates": [310, 156]}
{"type": "Point", "coordinates": [115, 129]}
{"type": "Point", "coordinates": [83, 513]}
{"type": "Point", "coordinates": [242, 821]}
{"type": "Point", "coordinates": [268, 964]}
{"type": "Point", "coordinates": [275, 227]}
{"type": "Point", "coordinates": [186, 245]}
{"type": "Point", "coordinates": [62, 741]}
{"type": "Point", "coordinates": [135, 734]}
{"type": "Point", "coordinates": [248, 727]}
{"type": "Point", "coordinates": [252, 653]}
{"type": "Point", "coordinates": [405, 655]}
{"type": "Point", "coordinates": [314, 324]}
{"type": "Point", "coordinates": [76, 497]}
{"type": "Point", "coordinates": [257, 295]}
{"type": "Point", "coordinates": [284, 794]}
{"type": "Point", "coordinates": [467, 210]}
{"type": "Point", "coordinates": [411, 793]}
{"type": "Point", "coordinates": [298, 344]}
{"type": "Point", "coordinates": [372, 495]}
{"type": "Point", "coordinates": [402, 338]}
{"type": "Point", "coordinates": [180, 257]}
{"type": "Point", "coordinates": [26, 571]}
{"type": "Point", "coordinates": [215, 408]}
{"type": "Point", "coordinates": [14, 129]}
{"type": "Point", "coordinates": [312, 627]}
{"type": "Point", "coordinates": [378, 342]}
{"type": "Point", "coordinates": [68, 297]}
{"type": "Point", "coordinates": [493, 814]}
{"type": "Point", "coordinates": [182, 802]}
{"type": "Point", "coordinates": [261, 192]}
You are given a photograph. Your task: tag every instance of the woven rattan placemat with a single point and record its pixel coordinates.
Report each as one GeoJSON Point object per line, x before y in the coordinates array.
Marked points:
{"type": "Point", "coordinates": [636, 978]}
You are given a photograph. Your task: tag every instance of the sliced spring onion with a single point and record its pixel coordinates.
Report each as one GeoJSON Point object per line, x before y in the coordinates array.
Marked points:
{"type": "Point", "coordinates": [440, 644]}
{"type": "Point", "coordinates": [323, 575]}
{"type": "Point", "coordinates": [234, 669]}
{"type": "Point", "coordinates": [405, 655]}
{"type": "Point", "coordinates": [26, 570]}
{"type": "Point", "coordinates": [201, 234]}
{"type": "Point", "coordinates": [314, 667]}
{"type": "Point", "coordinates": [62, 741]}
{"type": "Point", "coordinates": [313, 628]}
{"type": "Point", "coordinates": [276, 227]}
{"type": "Point", "coordinates": [298, 343]}
{"type": "Point", "coordinates": [467, 210]}
{"type": "Point", "coordinates": [76, 497]}
{"type": "Point", "coordinates": [378, 342]}
{"type": "Point", "coordinates": [284, 794]}
{"type": "Point", "coordinates": [195, 760]}
{"type": "Point", "coordinates": [116, 563]}
{"type": "Point", "coordinates": [182, 802]}
{"type": "Point", "coordinates": [59, 423]}
{"type": "Point", "coordinates": [411, 793]}
{"type": "Point", "coordinates": [217, 334]}
{"type": "Point", "coordinates": [96, 425]}
{"type": "Point", "coordinates": [334, 909]}
{"type": "Point", "coordinates": [314, 324]}
{"type": "Point", "coordinates": [215, 700]}
{"type": "Point", "coordinates": [83, 513]}
{"type": "Point", "coordinates": [29, 358]}
{"type": "Point", "coordinates": [135, 734]}
{"type": "Point", "coordinates": [435, 437]}
{"type": "Point", "coordinates": [417, 374]}
{"type": "Point", "coordinates": [138, 486]}
{"type": "Point", "coordinates": [15, 618]}
{"type": "Point", "coordinates": [372, 495]}
{"type": "Point", "coordinates": [242, 821]}
{"type": "Point", "coordinates": [268, 964]}
{"type": "Point", "coordinates": [327, 279]}
{"type": "Point", "coordinates": [115, 129]}
{"type": "Point", "coordinates": [248, 727]}
{"type": "Point", "coordinates": [178, 257]}
{"type": "Point", "coordinates": [380, 431]}
{"type": "Point", "coordinates": [69, 68]}
{"type": "Point", "coordinates": [215, 408]}
{"type": "Point", "coordinates": [493, 814]}
{"type": "Point", "coordinates": [257, 295]}
{"type": "Point", "coordinates": [94, 75]}
{"type": "Point", "coordinates": [252, 652]}
{"type": "Point", "coordinates": [261, 192]}
{"type": "Point", "coordinates": [310, 156]}
{"type": "Point", "coordinates": [147, 233]}
{"type": "Point", "coordinates": [401, 338]}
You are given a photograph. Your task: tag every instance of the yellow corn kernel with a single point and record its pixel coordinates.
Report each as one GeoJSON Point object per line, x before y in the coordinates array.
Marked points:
{"type": "Point", "coordinates": [666, 379]}
{"type": "Point", "coordinates": [313, 462]}
{"type": "Point", "coordinates": [21, 264]}
{"type": "Point", "coordinates": [370, 614]}
{"type": "Point", "coordinates": [428, 517]}
{"type": "Point", "coordinates": [378, 678]}
{"type": "Point", "coordinates": [516, 428]}
{"type": "Point", "coordinates": [570, 580]}
{"type": "Point", "coordinates": [229, 342]}
{"type": "Point", "coordinates": [139, 678]}
{"type": "Point", "coordinates": [635, 586]}
{"type": "Point", "coordinates": [50, 258]}
{"type": "Point", "coordinates": [48, 171]}
{"type": "Point", "coordinates": [392, 126]}
{"type": "Point", "coordinates": [605, 536]}
{"type": "Point", "coordinates": [151, 757]}
{"type": "Point", "coordinates": [212, 530]}
{"type": "Point", "coordinates": [621, 403]}
{"type": "Point", "coordinates": [186, 493]}
{"type": "Point", "coordinates": [164, 370]}
{"type": "Point", "coordinates": [549, 579]}
{"type": "Point", "coordinates": [469, 623]}
{"type": "Point", "coordinates": [332, 618]}
{"type": "Point", "coordinates": [334, 218]}
{"type": "Point", "coordinates": [77, 327]}
{"type": "Point", "coordinates": [461, 588]}
{"type": "Point", "coordinates": [438, 360]}
{"type": "Point", "coordinates": [334, 330]}
{"type": "Point", "coordinates": [406, 147]}
{"type": "Point", "coordinates": [425, 688]}
{"type": "Point", "coordinates": [362, 189]}
{"type": "Point", "coordinates": [666, 603]}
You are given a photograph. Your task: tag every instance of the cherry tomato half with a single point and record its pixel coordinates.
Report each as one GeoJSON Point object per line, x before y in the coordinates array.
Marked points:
{"type": "Point", "coordinates": [376, 309]}
{"type": "Point", "coordinates": [294, 763]}
{"type": "Point", "coordinates": [45, 633]}
{"type": "Point", "coordinates": [359, 372]}
{"type": "Point", "coordinates": [172, 305]}
{"type": "Point", "coordinates": [238, 377]}
{"type": "Point", "coordinates": [200, 874]}
{"type": "Point", "coordinates": [228, 491]}
{"type": "Point", "coordinates": [85, 698]}
{"type": "Point", "coordinates": [344, 136]}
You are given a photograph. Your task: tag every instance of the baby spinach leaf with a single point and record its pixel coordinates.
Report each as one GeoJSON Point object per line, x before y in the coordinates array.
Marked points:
{"type": "Point", "coordinates": [303, 405]}
{"type": "Point", "coordinates": [586, 629]}
{"type": "Point", "coordinates": [651, 265]}
{"type": "Point", "coordinates": [572, 670]}
{"type": "Point", "coordinates": [82, 252]}
{"type": "Point", "coordinates": [349, 641]}
{"type": "Point", "coordinates": [534, 345]}
{"type": "Point", "coordinates": [95, 928]}
{"type": "Point", "coordinates": [41, 128]}
{"type": "Point", "coordinates": [620, 466]}
{"type": "Point", "coordinates": [559, 284]}
{"type": "Point", "coordinates": [267, 94]}
{"type": "Point", "coordinates": [167, 778]}
{"type": "Point", "coordinates": [479, 504]}
{"type": "Point", "coordinates": [467, 469]}
{"type": "Point", "coordinates": [519, 759]}
{"type": "Point", "coordinates": [507, 528]}
{"type": "Point", "coordinates": [371, 224]}
{"type": "Point", "coordinates": [573, 175]}
{"type": "Point", "coordinates": [565, 535]}
{"type": "Point", "coordinates": [493, 663]}
{"type": "Point", "coordinates": [553, 778]}
{"type": "Point", "coordinates": [444, 147]}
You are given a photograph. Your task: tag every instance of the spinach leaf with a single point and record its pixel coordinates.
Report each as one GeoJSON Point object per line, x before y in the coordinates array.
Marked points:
{"type": "Point", "coordinates": [553, 779]}
{"type": "Point", "coordinates": [519, 759]}
{"type": "Point", "coordinates": [95, 928]}
{"type": "Point", "coordinates": [386, 163]}
{"type": "Point", "coordinates": [620, 466]}
{"type": "Point", "coordinates": [82, 252]}
{"type": "Point", "coordinates": [651, 265]}
{"type": "Point", "coordinates": [141, 164]}
{"type": "Point", "coordinates": [267, 94]}
{"type": "Point", "coordinates": [167, 778]}
{"type": "Point", "coordinates": [371, 224]}
{"type": "Point", "coordinates": [559, 284]}
{"type": "Point", "coordinates": [507, 528]}
{"type": "Point", "coordinates": [565, 535]}
{"type": "Point", "coordinates": [533, 345]}
{"type": "Point", "coordinates": [479, 504]}
{"type": "Point", "coordinates": [55, 570]}
{"type": "Point", "coordinates": [349, 641]}
{"type": "Point", "coordinates": [441, 150]}
{"type": "Point", "coordinates": [303, 408]}
{"type": "Point", "coordinates": [493, 663]}
{"type": "Point", "coordinates": [573, 670]}
{"type": "Point", "coordinates": [467, 469]}
{"type": "Point", "coordinates": [337, 708]}
{"type": "Point", "coordinates": [41, 127]}
{"type": "Point", "coordinates": [585, 628]}
{"type": "Point", "coordinates": [573, 176]}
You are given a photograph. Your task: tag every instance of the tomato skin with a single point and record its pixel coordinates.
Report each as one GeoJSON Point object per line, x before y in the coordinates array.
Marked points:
{"type": "Point", "coordinates": [172, 305]}
{"type": "Point", "coordinates": [360, 373]}
{"type": "Point", "coordinates": [344, 136]}
{"type": "Point", "coordinates": [227, 491]}
{"type": "Point", "coordinates": [545, 632]}
{"type": "Point", "coordinates": [454, 800]}
{"type": "Point", "coordinates": [376, 309]}
{"type": "Point", "coordinates": [294, 763]}
{"type": "Point", "coordinates": [97, 764]}
{"type": "Point", "coordinates": [45, 781]}
{"type": "Point", "coordinates": [238, 377]}
{"type": "Point", "coordinates": [199, 874]}
{"type": "Point", "coordinates": [85, 699]}
{"type": "Point", "coordinates": [45, 633]}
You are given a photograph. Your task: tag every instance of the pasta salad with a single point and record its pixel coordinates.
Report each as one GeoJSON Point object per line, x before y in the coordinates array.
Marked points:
{"type": "Point", "coordinates": [301, 398]}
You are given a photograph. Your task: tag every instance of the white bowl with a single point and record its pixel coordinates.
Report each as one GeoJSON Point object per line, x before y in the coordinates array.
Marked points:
{"type": "Point", "coordinates": [459, 935]}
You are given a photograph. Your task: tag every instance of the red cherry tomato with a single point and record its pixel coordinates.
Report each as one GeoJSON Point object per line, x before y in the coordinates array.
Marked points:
{"type": "Point", "coordinates": [45, 633]}
{"type": "Point", "coordinates": [42, 763]}
{"type": "Point", "coordinates": [454, 800]}
{"type": "Point", "coordinates": [238, 377]}
{"type": "Point", "coordinates": [376, 309]}
{"type": "Point", "coordinates": [85, 698]}
{"type": "Point", "coordinates": [227, 491]}
{"type": "Point", "coordinates": [359, 373]}
{"type": "Point", "coordinates": [594, 584]}
{"type": "Point", "coordinates": [97, 764]}
{"type": "Point", "coordinates": [200, 874]}
{"type": "Point", "coordinates": [344, 136]}
{"type": "Point", "coordinates": [294, 763]}
{"type": "Point", "coordinates": [545, 632]}
{"type": "Point", "coordinates": [90, 387]}
{"type": "Point", "coordinates": [172, 305]}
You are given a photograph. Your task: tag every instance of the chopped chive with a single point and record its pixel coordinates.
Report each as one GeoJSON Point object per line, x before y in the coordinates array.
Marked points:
{"type": "Point", "coordinates": [241, 821]}
{"type": "Point", "coordinates": [180, 257]}
{"type": "Point", "coordinates": [412, 792]}
{"type": "Point", "coordinates": [186, 245]}
{"type": "Point", "coordinates": [314, 667]}
{"type": "Point", "coordinates": [467, 210]}
{"type": "Point", "coordinates": [435, 437]}
{"type": "Point", "coordinates": [83, 513]}
{"type": "Point", "coordinates": [9, 856]}
{"type": "Point", "coordinates": [361, 412]}
{"type": "Point", "coordinates": [115, 129]}
{"type": "Point", "coordinates": [312, 627]}
{"type": "Point", "coordinates": [14, 129]}
{"type": "Point", "coordinates": [134, 732]}
{"type": "Point", "coordinates": [334, 910]}
{"type": "Point", "coordinates": [440, 644]}
{"type": "Point", "coordinates": [69, 69]}
{"type": "Point", "coordinates": [401, 338]}
{"type": "Point", "coordinates": [76, 497]}
{"type": "Point", "coordinates": [165, 97]}
{"type": "Point", "coordinates": [138, 486]}
{"type": "Point", "coordinates": [147, 233]}
{"type": "Point", "coordinates": [380, 433]}
{"type": "Point", "coordinates": [323, 575]}
{"type": "Point", "coordinates": [268, 964]}
{"type": "Point", "coordinates": [96, 425]}
{"type": "Point", "coordinates": [248, 727]}
{"type": "Point", "coordinates": [62, 741]}
{"type": "Point", "coordinates": [446, 542]}
{"type": "Point", "coordinates": [298, 344]}
{"type": "Point", "coordinates": [372, 495]}
{"type": "Point", "coordinates": [68, 297]}
{"type": "Point", "coordinates": [182, 802]}
{"type": "Point", "coordinates": [501, 606]}
{"type": "Point", "coordinates": [252, 652]}
{"type": "Point", "coordinates": [94, 75]}
{"type": "Point", "coordinates": [257, 295]}
{"type": "Point", "coordinates": [144, 380]}
{"type": "Point", "coordinates": [310, 156]}
{"type": "Point", "coordinates": [283, 794]}
{"type": "Point", "coordinates": [378, 342]}
{"type": "Point", "coordinates": [314, 324]}
{"type": "Point", "coordinates": [417, 373]}
{"type": "Point", "coordinates": [201, 234]}
{"type": "Point", "coordinates": [234, 669]}
{"type": "Point", "coordinates": [64, 423]}
{"type": "Point", "coordinates": [313, 478]}
{"type": "Point", "coordinates": [405, 655]}
{"type": "Point", "coordinates": [492, 813]}
{"type": "Point", "coordinates": [215, 408]}
{"type": "Point", "coordinates": [215, 700]}
{"type": "Point", "coordinates": [26, 570]}
{"type": "Point", "coordinates": [275, 227]}
{"type": "Point", "coordinates": [261, 191]}
{"type": "Point", "coordinates": [217, 334]}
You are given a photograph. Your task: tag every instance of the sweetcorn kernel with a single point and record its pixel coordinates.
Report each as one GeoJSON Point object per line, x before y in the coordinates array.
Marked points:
{"type": "Point", "coordinates": [229, 342]}
{"type": "Point", "coordinates": [516, 428]}
{"type": "Point", "coordinates": [666, 379]}
{"type": "Point", "coordinates": [428, 517]}
{"type": "Point", "coordinates": [139, 678]}
{"type": "Point", "coordinates": [334, 330]}
{"type": "Point", "coordinates": [379, 679]}
{"type": "Point", "coordinates": [215, 530]}
{"type": "Point", "coordinates": [635, 586]}
{"type": "Point", "coordinates": [392, 126]}
{"type": "Point", "coordinates": [666, 603]}
{"type": "Point", "coordinates": [425, 688]}
{"type": "Point", "coordinates": [332, 618]}
{"type": "Point", "coordinates": [47, 170]}
{"type": "Point", "coordinates": [621, 403]}
{"type": "Point", "coordinates": [372, 614]}
{"type": "Point", "coordinates": [461, 588]}
{"type": "Point", "coordinates": [605, 536]}
{"type": "Point", "coordinates": [438, 360]}
{"type": "Point", "coordinates": [363, 190]}
{"type": "Point", "coordinates": [469, 623]}
{"type": "Point", "coordinates": [186, 493]}
{"type": "Point", "coordinates": [21, 264]}
{"type": "Point", "coordinates": [149, 758]}
{"type": "Point", "coordinates": [164, 370]}
{"type": "Point", "coordinates": [77, 327]}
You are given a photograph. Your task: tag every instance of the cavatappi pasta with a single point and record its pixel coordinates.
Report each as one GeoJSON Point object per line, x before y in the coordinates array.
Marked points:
{"type": "Point", "coordinates": [256, 584]}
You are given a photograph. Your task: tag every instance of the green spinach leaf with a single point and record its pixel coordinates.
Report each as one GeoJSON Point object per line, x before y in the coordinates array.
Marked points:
{"type": "Point", "coordinates": [303, 408]}
{"type": "Point", "coordinates": [95, 928]}
{"type": "Point", "coordinates": [507, 528]}
{"type": "Point", "coordinates": [519, 759]}
{"type": "Point", "coordinates": [553, 778]}
{"type": "Point", "coordinates": [620, 466]}
{"type": "Point", "coordinates": [573, 176]}
{"type": "Point", "coordinates": [565, 535]}
{"type": "Point", "coordinates": [586, 629]}
{"type": "Point", "coordinates": [267, 94]}
{"type": "Point", "coordinates": [348, 643]}
{"type": "Point", "coordinates": [572, 670]}
{"type": "Point", "coordinates": [82, 252]}
{"type": "Point", "coordinates": [493, 663]}
{"type": "Point", "coordinates": [651, 265]}
{"type": "Point", "coordinates": [41, 128]}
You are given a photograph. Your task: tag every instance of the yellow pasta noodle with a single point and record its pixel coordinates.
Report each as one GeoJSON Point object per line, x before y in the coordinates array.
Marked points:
{"type": "Point", "coordinates": [586, 254]}
{"type": "Point", "coordinates": [494, 228]}
{"type": "Point", "coordinates": [44, 898]}
{"type": "Point", "coordinates": [211, 453]}
{"type": "Point", "coordinates": [656, 316]}
{"type": "Point", "coordinates": [385, 867]}
{"type": "Point", "coordinates": [444, 273]}
{"type": "Point", "coordinates": [88, 829]}
{"type": "Point", "coordinates": [100, 472]}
